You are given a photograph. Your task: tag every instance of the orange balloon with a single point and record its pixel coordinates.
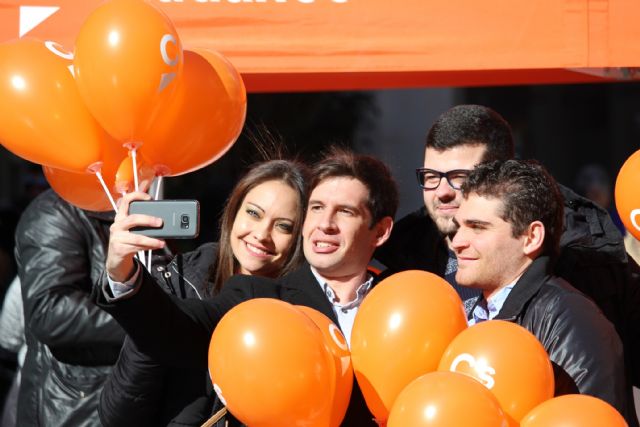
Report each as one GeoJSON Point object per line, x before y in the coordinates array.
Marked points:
{"type": "Point", "coordinates": [574, 410]}
{"type": "Point", "coordinates": [446, 399]}
{"type": "Point", "coordinates": [400, 333]}
{"type": "Point", "coordinates": [125, 179]}
{"type": "Point", "coordinates": [42, 116]}
{"type": "Point", "coordinates": [627, 194]}
{"type": "Point", "coordinates": [269, 364]}
{"type": "Point", "coordinates": [128, 58]}
{"type": "Point", "coordinates": [339, 349]}
{"type": "Point", "coordinates": [84, 189]}
{"type": "Point", "coordinates": [205, 119]}
{"type": "Point", "coordinates": [508, 360]}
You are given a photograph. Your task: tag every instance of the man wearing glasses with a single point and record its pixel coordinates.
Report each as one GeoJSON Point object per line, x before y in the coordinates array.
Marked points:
{"type": "Point", "coordinates": [461, 138]}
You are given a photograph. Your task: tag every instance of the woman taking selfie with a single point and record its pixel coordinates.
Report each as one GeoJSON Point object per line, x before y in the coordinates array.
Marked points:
{"type": "Point", "coordinates": [259, 235]}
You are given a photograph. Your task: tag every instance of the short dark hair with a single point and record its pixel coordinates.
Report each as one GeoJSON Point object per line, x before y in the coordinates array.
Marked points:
{"type": "Point", "coordinates": [373, 173]}
{"type": "Point", "coordinates": [292, 173]}
{"type": "Point", "coordinates": [472, 125]}
{"type": "Point", "coordinates": [528, 193]}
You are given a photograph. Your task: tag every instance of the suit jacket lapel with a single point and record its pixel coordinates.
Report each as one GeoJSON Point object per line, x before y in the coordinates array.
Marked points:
{"type": "Point", "coordinates": [301, 287]}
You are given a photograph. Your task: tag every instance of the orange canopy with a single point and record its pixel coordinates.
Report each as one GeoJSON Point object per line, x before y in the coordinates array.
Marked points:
{"type": "Point", "coordinates": [284, 45]}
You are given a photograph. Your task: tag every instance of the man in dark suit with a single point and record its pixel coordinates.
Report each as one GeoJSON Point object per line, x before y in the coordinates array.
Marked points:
{"type": "Point", "coordinates": [350, 213]}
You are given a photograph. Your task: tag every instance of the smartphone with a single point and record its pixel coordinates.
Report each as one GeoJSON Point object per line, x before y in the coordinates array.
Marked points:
{"type": "Point", "coordinates": [180, 218]}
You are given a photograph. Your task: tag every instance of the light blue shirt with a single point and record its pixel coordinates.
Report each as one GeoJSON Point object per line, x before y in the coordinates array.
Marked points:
{"type": "Point", "coordinates": [487, 310]}
{"type": "Point", "coordinates": [346, 313]}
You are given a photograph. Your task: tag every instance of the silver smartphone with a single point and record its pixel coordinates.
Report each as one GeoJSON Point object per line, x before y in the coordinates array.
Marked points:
{"type": "Point", "coordinates": [180, 218]}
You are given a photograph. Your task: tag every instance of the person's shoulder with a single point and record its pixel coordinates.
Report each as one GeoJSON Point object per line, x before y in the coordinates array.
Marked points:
{"type": "Point", "coordinates": [195, 267]}
{"type": "Point", "coordinates": [206, 253]}
{"type": "Point", "coordinates": [414, 226]}
{"type": "Point", "coordinates": [257, 286]}
{"type": "Point", "coordinates": [47, 201]}
{"type": "Point", "coordinates": [556, 286]}
{"type": "Point", "coordinates": [590, 240]}
{"type": "Point", "coordinates": [49, 206]}
{"type": "Point", "coordinates": [246, 278]}
{"type": "Point", "coordinates": [298, 277]}
{"type": "Point", "coordinates": [47, 212]}
{"type": "Point", "coordinates": [414, 243]}
{"type": "Point", "coordinates": [412, 219]}
{"type": "Point", "coordinates": [586, 222]}
{"type": "Point", "coordinates": [267, 287]}
{"type": "Point", "coordinates": [559, 296]}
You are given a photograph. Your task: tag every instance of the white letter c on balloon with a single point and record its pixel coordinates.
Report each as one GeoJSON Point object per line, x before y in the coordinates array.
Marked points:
{"type": "Point", "coordinates": [634, 213]}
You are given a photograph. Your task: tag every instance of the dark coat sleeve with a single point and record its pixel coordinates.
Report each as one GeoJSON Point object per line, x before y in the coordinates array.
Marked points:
{"type": "Point", "coordinates": [415, 244]}
{"type": "Point", "coordinates": [586, 346]}
{"type": "Point", "coordinates": [55, 248]}
{"type": "Point", "coordinates": [164, 333]}
{"type": "Point", "coordinates": [133, 391]}
{"type": "Point", "coordinates": [142, 392]}
{"type": "Point", "coordinates": [177, 332]}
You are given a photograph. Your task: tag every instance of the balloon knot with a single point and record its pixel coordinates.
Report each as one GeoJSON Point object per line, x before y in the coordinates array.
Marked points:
{"type": "Point", "coordinates": [161, 170]}
{"type": "Point", "coordinates": [94, 167]}
{"type": "Point", "coordinates": [132, 145]}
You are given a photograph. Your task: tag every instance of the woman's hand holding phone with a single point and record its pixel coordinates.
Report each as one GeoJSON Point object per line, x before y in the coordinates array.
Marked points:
{"type": "Point", "coordinates": [123, 244]}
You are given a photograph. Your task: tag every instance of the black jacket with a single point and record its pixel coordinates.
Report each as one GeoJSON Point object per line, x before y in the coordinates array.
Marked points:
{"type": "Point", "coordinates": [141, 392]}
{"type": "Point", "coordinates": [580, 341]}
{"type": "Point", "coordinates": [72, 343]}
{"type": "Point", "coordinates": [592, 258]}
{"type": "Point", "coordinates": [177, 332]}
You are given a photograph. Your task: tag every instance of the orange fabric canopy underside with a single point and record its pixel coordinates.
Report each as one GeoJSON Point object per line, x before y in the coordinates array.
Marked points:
{"type": "Point", "coordinates": [287, 45]}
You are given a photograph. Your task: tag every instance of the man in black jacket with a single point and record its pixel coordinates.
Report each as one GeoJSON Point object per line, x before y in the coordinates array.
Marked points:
{"type": "Point", "coordinates": [71, 343]}
{"type": "Point", "coordinates": [508, 228]}
{"type": "Point", "coordinates": [592, 253]}
{"type": "Point", "coordinates": [350, 212]}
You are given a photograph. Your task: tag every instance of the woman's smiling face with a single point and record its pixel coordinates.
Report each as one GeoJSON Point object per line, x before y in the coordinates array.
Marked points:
{"type": "Point", "coordinates": [262, 232]}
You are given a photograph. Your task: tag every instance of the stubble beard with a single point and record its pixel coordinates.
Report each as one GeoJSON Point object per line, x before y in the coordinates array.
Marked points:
{"type": "Point", "coordinates": [445, 224]}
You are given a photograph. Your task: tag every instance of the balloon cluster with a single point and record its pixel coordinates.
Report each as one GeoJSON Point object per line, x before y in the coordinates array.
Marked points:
{"type": "Point", "coordinates": [414, 358]}
{"type": "Point", "coordinates": [393, 341]}
{"type": "Point", "coordinates": [128, 104]}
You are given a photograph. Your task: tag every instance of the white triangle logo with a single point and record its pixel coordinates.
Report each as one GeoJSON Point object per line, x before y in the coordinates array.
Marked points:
{"type": "Point", "coordinates": [32, 16]}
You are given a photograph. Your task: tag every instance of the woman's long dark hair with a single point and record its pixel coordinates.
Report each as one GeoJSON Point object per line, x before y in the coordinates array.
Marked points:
{"type": "Point", "coordinates": [292, 173]}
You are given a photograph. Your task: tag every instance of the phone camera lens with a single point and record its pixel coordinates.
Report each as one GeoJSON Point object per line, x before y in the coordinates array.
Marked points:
{"type": "Point", "coordinates": [184, 221]}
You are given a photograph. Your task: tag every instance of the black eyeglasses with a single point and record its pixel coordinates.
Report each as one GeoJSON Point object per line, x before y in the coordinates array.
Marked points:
{"type": "Point", "coordinates": [430, 179]}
